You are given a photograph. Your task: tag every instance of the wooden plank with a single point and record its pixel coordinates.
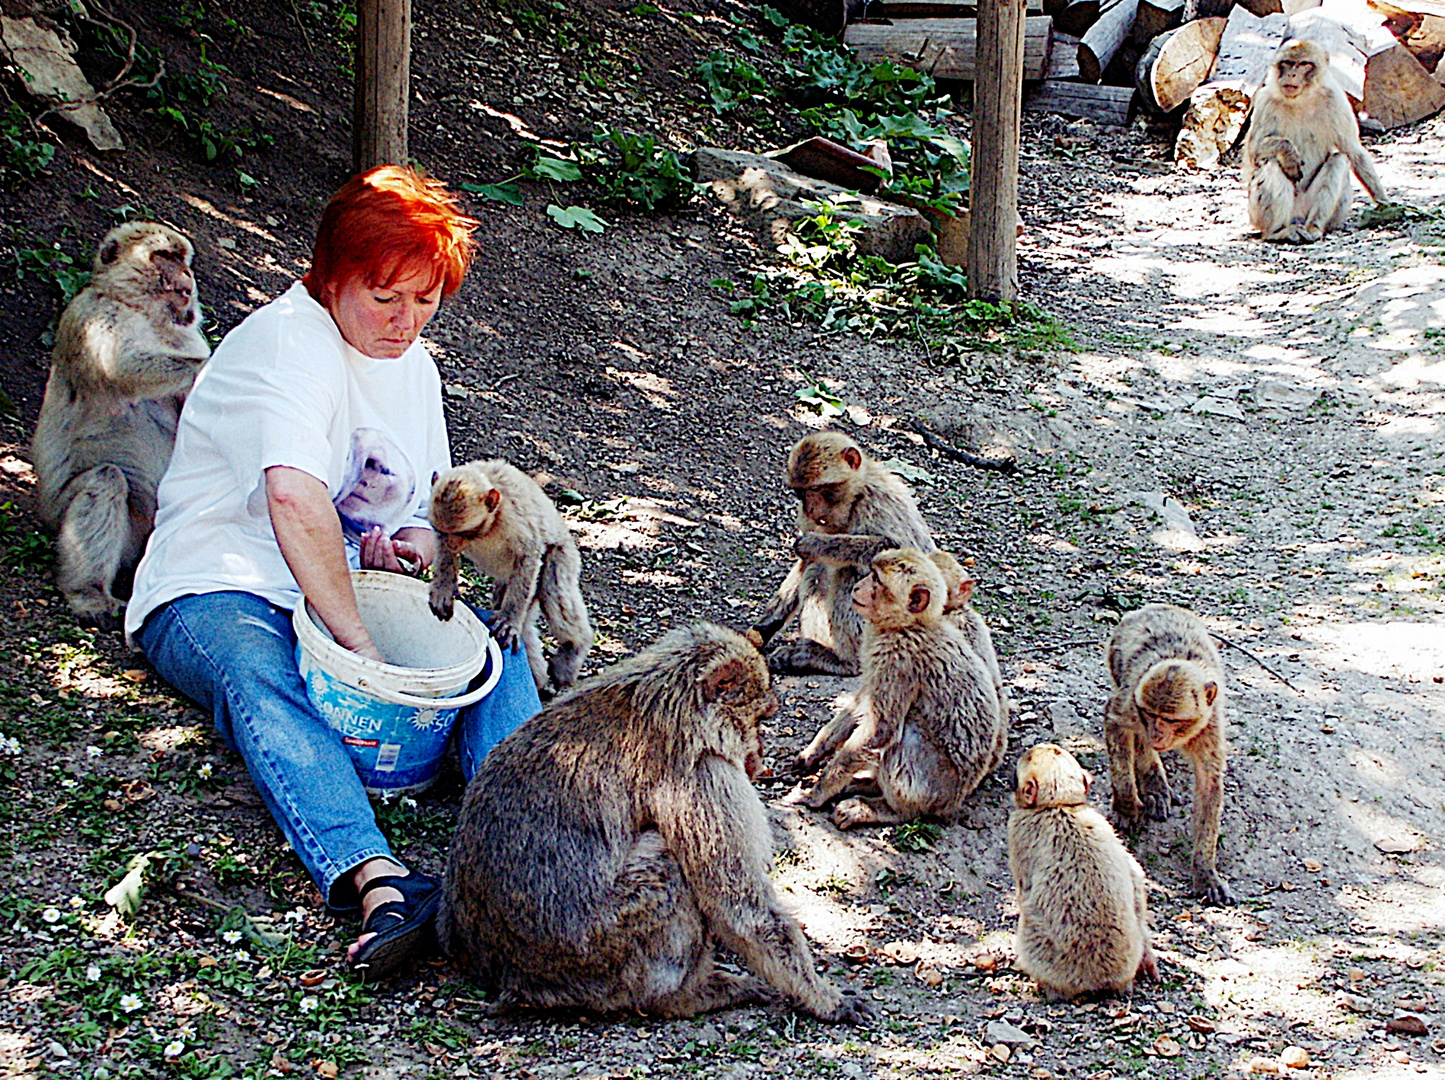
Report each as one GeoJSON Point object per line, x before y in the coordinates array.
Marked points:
{"type": "Point", "coordinates": [934, 9]}
{"type": "Point", "coordinates": [1063, 56]}
{"type": "Point", "coordinates": [1107, 105]}
{"type": "Point", "coordinates": [993, 272]}
{"type": "Point", "coordinates": [1177, 62]}
{"type": "Point", "coordinates": [945, 48]}
{"type": "Point", "coordinates": [382, 84]}
{"type": "Point", "coordinates": [1102, 40]}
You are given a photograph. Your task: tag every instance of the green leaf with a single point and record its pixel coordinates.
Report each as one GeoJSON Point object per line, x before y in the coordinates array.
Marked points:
{"type": "Point", "coordinates": [576, 217]}
{"type": "Point", "coordinates": [508, 192]}
{"type": "Point", "coordinates": [912, 473]}
{"type": "Point", "coordinates": [550, 168]}
{"type": "Point", "coordinates": [820, 399]}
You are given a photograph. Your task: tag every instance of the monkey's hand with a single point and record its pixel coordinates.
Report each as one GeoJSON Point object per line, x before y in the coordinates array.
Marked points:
{"type": "Point", "coordinates": [851, 1010]}
{"type": "Point", "coordinates": [442, 602]}
{"type": "Point", "coordinates": [505, 631]}
{"type": "Point", "coordinates": [1212, 888]}
{"type": "Point", "coordinates": [761, 633]}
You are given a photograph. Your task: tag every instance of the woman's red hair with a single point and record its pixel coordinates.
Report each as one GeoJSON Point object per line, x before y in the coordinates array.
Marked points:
{"type": "Point", "coordinates": [384, 224]}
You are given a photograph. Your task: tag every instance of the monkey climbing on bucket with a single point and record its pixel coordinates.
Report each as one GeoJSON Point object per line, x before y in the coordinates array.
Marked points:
{"type": "Point", "coordinates": [395, 718]}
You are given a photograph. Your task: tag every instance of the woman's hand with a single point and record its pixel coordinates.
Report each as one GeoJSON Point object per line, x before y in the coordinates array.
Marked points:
{"type": "Point", "coordinates": [409, 551]}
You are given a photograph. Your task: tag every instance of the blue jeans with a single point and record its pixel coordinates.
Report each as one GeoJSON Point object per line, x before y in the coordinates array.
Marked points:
{"type": "Point", "coordinates": [235, 654]}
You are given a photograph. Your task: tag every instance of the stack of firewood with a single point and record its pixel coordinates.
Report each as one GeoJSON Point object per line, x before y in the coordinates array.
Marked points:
{"type": "Point", "coordinates": [1200, 60]}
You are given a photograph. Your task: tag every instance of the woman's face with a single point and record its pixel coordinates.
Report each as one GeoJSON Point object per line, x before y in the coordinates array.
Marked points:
{"type": "Point", "coordinates": [384, 321]}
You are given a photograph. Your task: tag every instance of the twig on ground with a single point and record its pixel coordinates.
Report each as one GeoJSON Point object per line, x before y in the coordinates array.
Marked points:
{"type": "Point", "coordinates": [1236, 645]}
{"type": "Point", "coordinates": [934, 441]}
{"type": "Point", "coordinates": [122, 81]}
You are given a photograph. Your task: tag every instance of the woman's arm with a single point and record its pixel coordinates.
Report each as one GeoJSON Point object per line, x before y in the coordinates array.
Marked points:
{"type": "Point", "coordinates": [309, 535]}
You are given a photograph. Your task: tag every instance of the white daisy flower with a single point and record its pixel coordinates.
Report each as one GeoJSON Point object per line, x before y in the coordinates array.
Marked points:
{"type": "Point", "coordinates": [77, 903]}
{"type": "Point", "coordinates": [51, 915]}
{"type": "Point", "coordinates": [243, 956]}
{"type": "Point", "coordinates": [409, 803]}
{"type": "Point", "coordinates": [230, 937]}
{"type": "Point", "coordinates": [92, 973]}
{"type": "Point", "coordinates": [308, 1004]}
{"type": "Point", "coordinates": [129, 1003]}
{"type": "Point", "coordinates": [94, 751]}
{"type": "Point", "coordinates": [9, 746]}
{"type": "Point", "coordinates": [204, 772]}
{"type": "Point", "coordinates": [68, 783]}
{"type": "Point", "coordinates": [173, 1050]}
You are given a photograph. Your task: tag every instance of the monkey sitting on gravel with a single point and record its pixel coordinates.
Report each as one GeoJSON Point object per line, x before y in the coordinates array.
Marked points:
{"type": "Point", "coordinates": [608, 845]}
{"type": "Point", "coordinates": [1083, 916]}
{"type": "Point", "coordinates": [127, 350]}
{"type": "Point", "coordinates": [501, 519]}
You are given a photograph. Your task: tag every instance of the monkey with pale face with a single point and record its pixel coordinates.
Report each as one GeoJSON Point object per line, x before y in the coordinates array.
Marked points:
{"type": "Point", "coordinates": [927, 727]}
{"type": "Point", "coordinates": [1168, 695]}
{"type": "Point", "coordinates": [1303, 141]}
{"type": "Point", "coordinates": [501, 519]}
{"type": "Point", "coordinates": [1083, 911]}
{"type": "Point", "coordinates": [849, 509]}
{"type": "Point", "coordinates": [127, 350]}
{"type": "Point", "coordinates": [607, 846]}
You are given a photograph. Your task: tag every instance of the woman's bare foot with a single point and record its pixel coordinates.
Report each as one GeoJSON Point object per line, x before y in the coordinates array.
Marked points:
{"type": "Point", "coordinates": [378, 867]}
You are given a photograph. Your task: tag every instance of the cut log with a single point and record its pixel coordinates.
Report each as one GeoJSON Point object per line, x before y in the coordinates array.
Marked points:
{"type": "Point", "coordinates": [1177, 62]}
{"type": "Point", "coordinates": [1108, 105]}
{"type": "Point", "coordinates": [1262, 7]}
{"type": "Point", "coordinates": [1218, 108]}
{"type": "Point", "coordinates": [1154, 17]}
{"type": "Point", "coordinates": [1102, 40]}
{"type": "Point", "coordinates": [1420, 27]}
{"type": "Point", "coordinates": [1206, 9]}
{"type": "Point", "coordinates": [934, 9]}
{"type": "Point", "coordinates": [1382, 77]}
{"type": "Point", "coordinates": [1077, 16]}
{"type": "Point", "coordinates": [1063, 56]}
{"type": "Point", "coordinates": [1398, 89]}
{"type": "Point", "coordinates": [945, 48]}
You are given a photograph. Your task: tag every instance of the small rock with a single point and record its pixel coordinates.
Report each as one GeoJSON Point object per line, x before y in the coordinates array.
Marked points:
{"type": "Point", "coordinates": [1355, 1002]}
{"type": "Point", "coordinates": [1001, 1052]}
{"type": "Point", "coordinates": [930, 975]}
{"type": "Point", "coordinates": [859, 415]}
{"type": "Point", "coordinates": [1356, 975]}
{"type": "Point", "coordinates": [1000, 1032]}
{"type": "Point", "coordinates": [1408, 1024]}
{"type": "Point", "coordinates": [1400, 843]}
{"type": "Point", "coordinates": [227, 243]}
{"type": "Point", "coordinates": [1166, 1007]}
{"type": "Point", "coordinates": [1295, 1057]}
{"type": "Point", "coordinates": [709, 1035]}
{"type": "Point", "coordinates": [1164, 1046]}
{"type": "Point", "coordinates": [1274, 394]}
{"type": "Point", "coordinates": [1217, 406]}
{"type": "Point", "coordinates": [1264, 1065]}
{"type": "Point", "coordinates": [1200, 1023]}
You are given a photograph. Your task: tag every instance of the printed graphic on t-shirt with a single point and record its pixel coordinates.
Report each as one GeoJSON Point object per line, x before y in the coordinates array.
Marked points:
{"type": "Point", "coordinates": [378, 487]}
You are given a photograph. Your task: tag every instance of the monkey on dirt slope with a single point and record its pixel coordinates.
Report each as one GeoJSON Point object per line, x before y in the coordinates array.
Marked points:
{"type": "Point", "coordinates": [1168, 695]}
{"type": "Point", "coordinates": [849, 509]}
{"type": "Point", "coordinates": [608, 845]}
{"type": "Point", "coordinates": [1083, 912]}
{"type": "Point", "coordinates": [127, 350]}
{"type": "Point", "coordinates": [501, 519]}
{"type": "Point", "coordinates": [1303, 141]}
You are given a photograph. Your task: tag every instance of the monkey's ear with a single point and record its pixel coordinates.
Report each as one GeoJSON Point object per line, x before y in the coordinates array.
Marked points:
{"type": "Point", "coordinates": [965, 590]}
{"type": "Point", "coordinates": [110, 252]}
{"type": "Point", "coordinates": [1211, 691]}
{"type": "Point", "coordinates": [1088, 781]}
{"type": "Point", "coordinates": [491, 499]}
{"type": "Point", "coordinates": [435, 476]}
{"type": "Point", "coordinates": [1029, 792]}
{"type": "Point", "coordinates": [918, 598]}
{"type": "Point", "coordinates": [724, 681]}
{"type": "Point", "coordinates": [853, 457]}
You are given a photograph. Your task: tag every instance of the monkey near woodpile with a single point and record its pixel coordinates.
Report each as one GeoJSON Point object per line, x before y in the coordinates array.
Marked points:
{"type": "Point", "coordinates": [849, 509]}
{"type": "Point", "coordinates": [925, 727]}
{"type": "Point", "coordinates": [1168, 695]}
{"type": "Point", "coordinates": [1303, 141]}
{"type": "Point", "coordinates": [501, 519]}
{"type": "Point", "coordinates": [1083, 913]}
{"type": "Point", "coordinates": [127, 350]}
{"type": "Point", "coordinates": [609, 844]}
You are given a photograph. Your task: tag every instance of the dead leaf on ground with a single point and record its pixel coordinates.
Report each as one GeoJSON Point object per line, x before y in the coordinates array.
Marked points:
{"type": "Point", "coordinates": [1406, 1025]}
{"type": "Point", "coordinates": [1200, 1023]}
{"type": "Point", "coordinates": [326, 1070]}
{"type": "Point", "coordinates": [1164, 1046]}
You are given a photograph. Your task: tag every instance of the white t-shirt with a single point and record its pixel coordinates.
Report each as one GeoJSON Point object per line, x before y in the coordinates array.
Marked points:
{"type": "Point", "coordinates": [284, 388]}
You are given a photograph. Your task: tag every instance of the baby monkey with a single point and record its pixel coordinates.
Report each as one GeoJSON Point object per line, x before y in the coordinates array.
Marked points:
{"type": "Point", "coordinates": [1083, 917]}
{"type": "Point", "coordinates": [501, 519]}
{"type": "Point", "coordinates": [1168, 695]}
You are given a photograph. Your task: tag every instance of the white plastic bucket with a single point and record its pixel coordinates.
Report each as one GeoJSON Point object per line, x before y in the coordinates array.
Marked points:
{"type": "Point", "coordinates": [395, 718]}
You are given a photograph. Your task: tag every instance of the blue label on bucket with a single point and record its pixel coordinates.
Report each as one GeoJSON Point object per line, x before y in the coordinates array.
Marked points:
{"type": "Point", "coordinates": [394, 747]}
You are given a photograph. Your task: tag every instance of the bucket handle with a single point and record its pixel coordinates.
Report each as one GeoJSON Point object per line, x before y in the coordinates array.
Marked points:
{"type": "Point", "coordinates": [471, 697]}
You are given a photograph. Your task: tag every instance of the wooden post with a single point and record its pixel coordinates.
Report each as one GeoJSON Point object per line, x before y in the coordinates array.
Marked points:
{"type": "Point", "coordinates": [383, 83]}
{"type": "Point", "coordinates": [993, 272]}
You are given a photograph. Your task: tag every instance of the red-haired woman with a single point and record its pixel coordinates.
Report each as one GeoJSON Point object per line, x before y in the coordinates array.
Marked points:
{"type": "Point", "coordinates": [307, 449]}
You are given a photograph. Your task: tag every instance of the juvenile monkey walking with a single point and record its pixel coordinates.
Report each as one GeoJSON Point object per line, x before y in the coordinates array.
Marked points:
{"type": "Point", "coordinates": [608, 845]}
{"type": "Point", "coordinates": [501, 519]}
{"type": "Point", "coordinates": [1168, 695]}
{"type": "Point", "coordinates": [127, 350]}
{"type": "Point", "coordinates": [1083, 911]}
{"type": "Point", "coordinates": [1303, 142]}
{"type": "Point", "coordinates": [849, 509]}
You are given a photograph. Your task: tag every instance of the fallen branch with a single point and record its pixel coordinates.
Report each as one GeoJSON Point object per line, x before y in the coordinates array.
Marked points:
{"type": "Point", "coordinates": [1235, 645]}
{"type": "Point", "coordinates": [935, 442]}
{"type": "Point", "coordinates": [121, 80]}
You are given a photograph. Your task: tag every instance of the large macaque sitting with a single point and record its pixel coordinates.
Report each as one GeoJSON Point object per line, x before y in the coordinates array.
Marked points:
{"type": "Point", "coordinates": [849, 509]}
{"type": "Point", "coordinates": [126, 353]}
{"type": "Point", "coordinates": [610, 843]}
{"type": "Point", "coordinates": [1303, 141]}
{"type": "Point", "coordinates": [925, 727]}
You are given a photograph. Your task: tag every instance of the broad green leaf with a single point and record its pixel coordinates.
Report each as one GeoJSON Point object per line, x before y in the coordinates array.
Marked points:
{"type": "Point", "coordinates": [550, 168]}
{"type": "Point", "coordinates": [506, 192]}
{"type": "Point", "coordinates": [576, 217]}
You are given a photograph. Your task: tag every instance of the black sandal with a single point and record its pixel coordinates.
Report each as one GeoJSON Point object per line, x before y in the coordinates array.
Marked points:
{"type": "Point", "coordinates": [402, 927]}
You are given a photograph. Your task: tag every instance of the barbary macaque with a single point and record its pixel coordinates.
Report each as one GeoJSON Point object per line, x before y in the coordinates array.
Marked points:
{"type": "Point", "coordinates": [849, 509]}
{"type": "Point", "coordinates": [1168, 695]}
{"type": "Point", "coordinates": [959, 606]}
{"type": "Point", "coordinates": [1303, 141]}
{"type": "Point", "coordinates": [925, 727]}
{"type": "Point", "coordinates": [608, 845]}
{"type": "Point", "coordinates": [1083, 910]}
{"type": "Point", "coordinates": [501, 519]}
{"type": "Point", "coordinates": [127, 351]}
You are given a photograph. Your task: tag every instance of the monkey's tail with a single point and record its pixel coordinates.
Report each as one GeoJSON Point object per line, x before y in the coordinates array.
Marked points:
{"type": "Point", "coordinates": [933, 440]}
{"type": "Point", "coordinates": [561, 597]}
